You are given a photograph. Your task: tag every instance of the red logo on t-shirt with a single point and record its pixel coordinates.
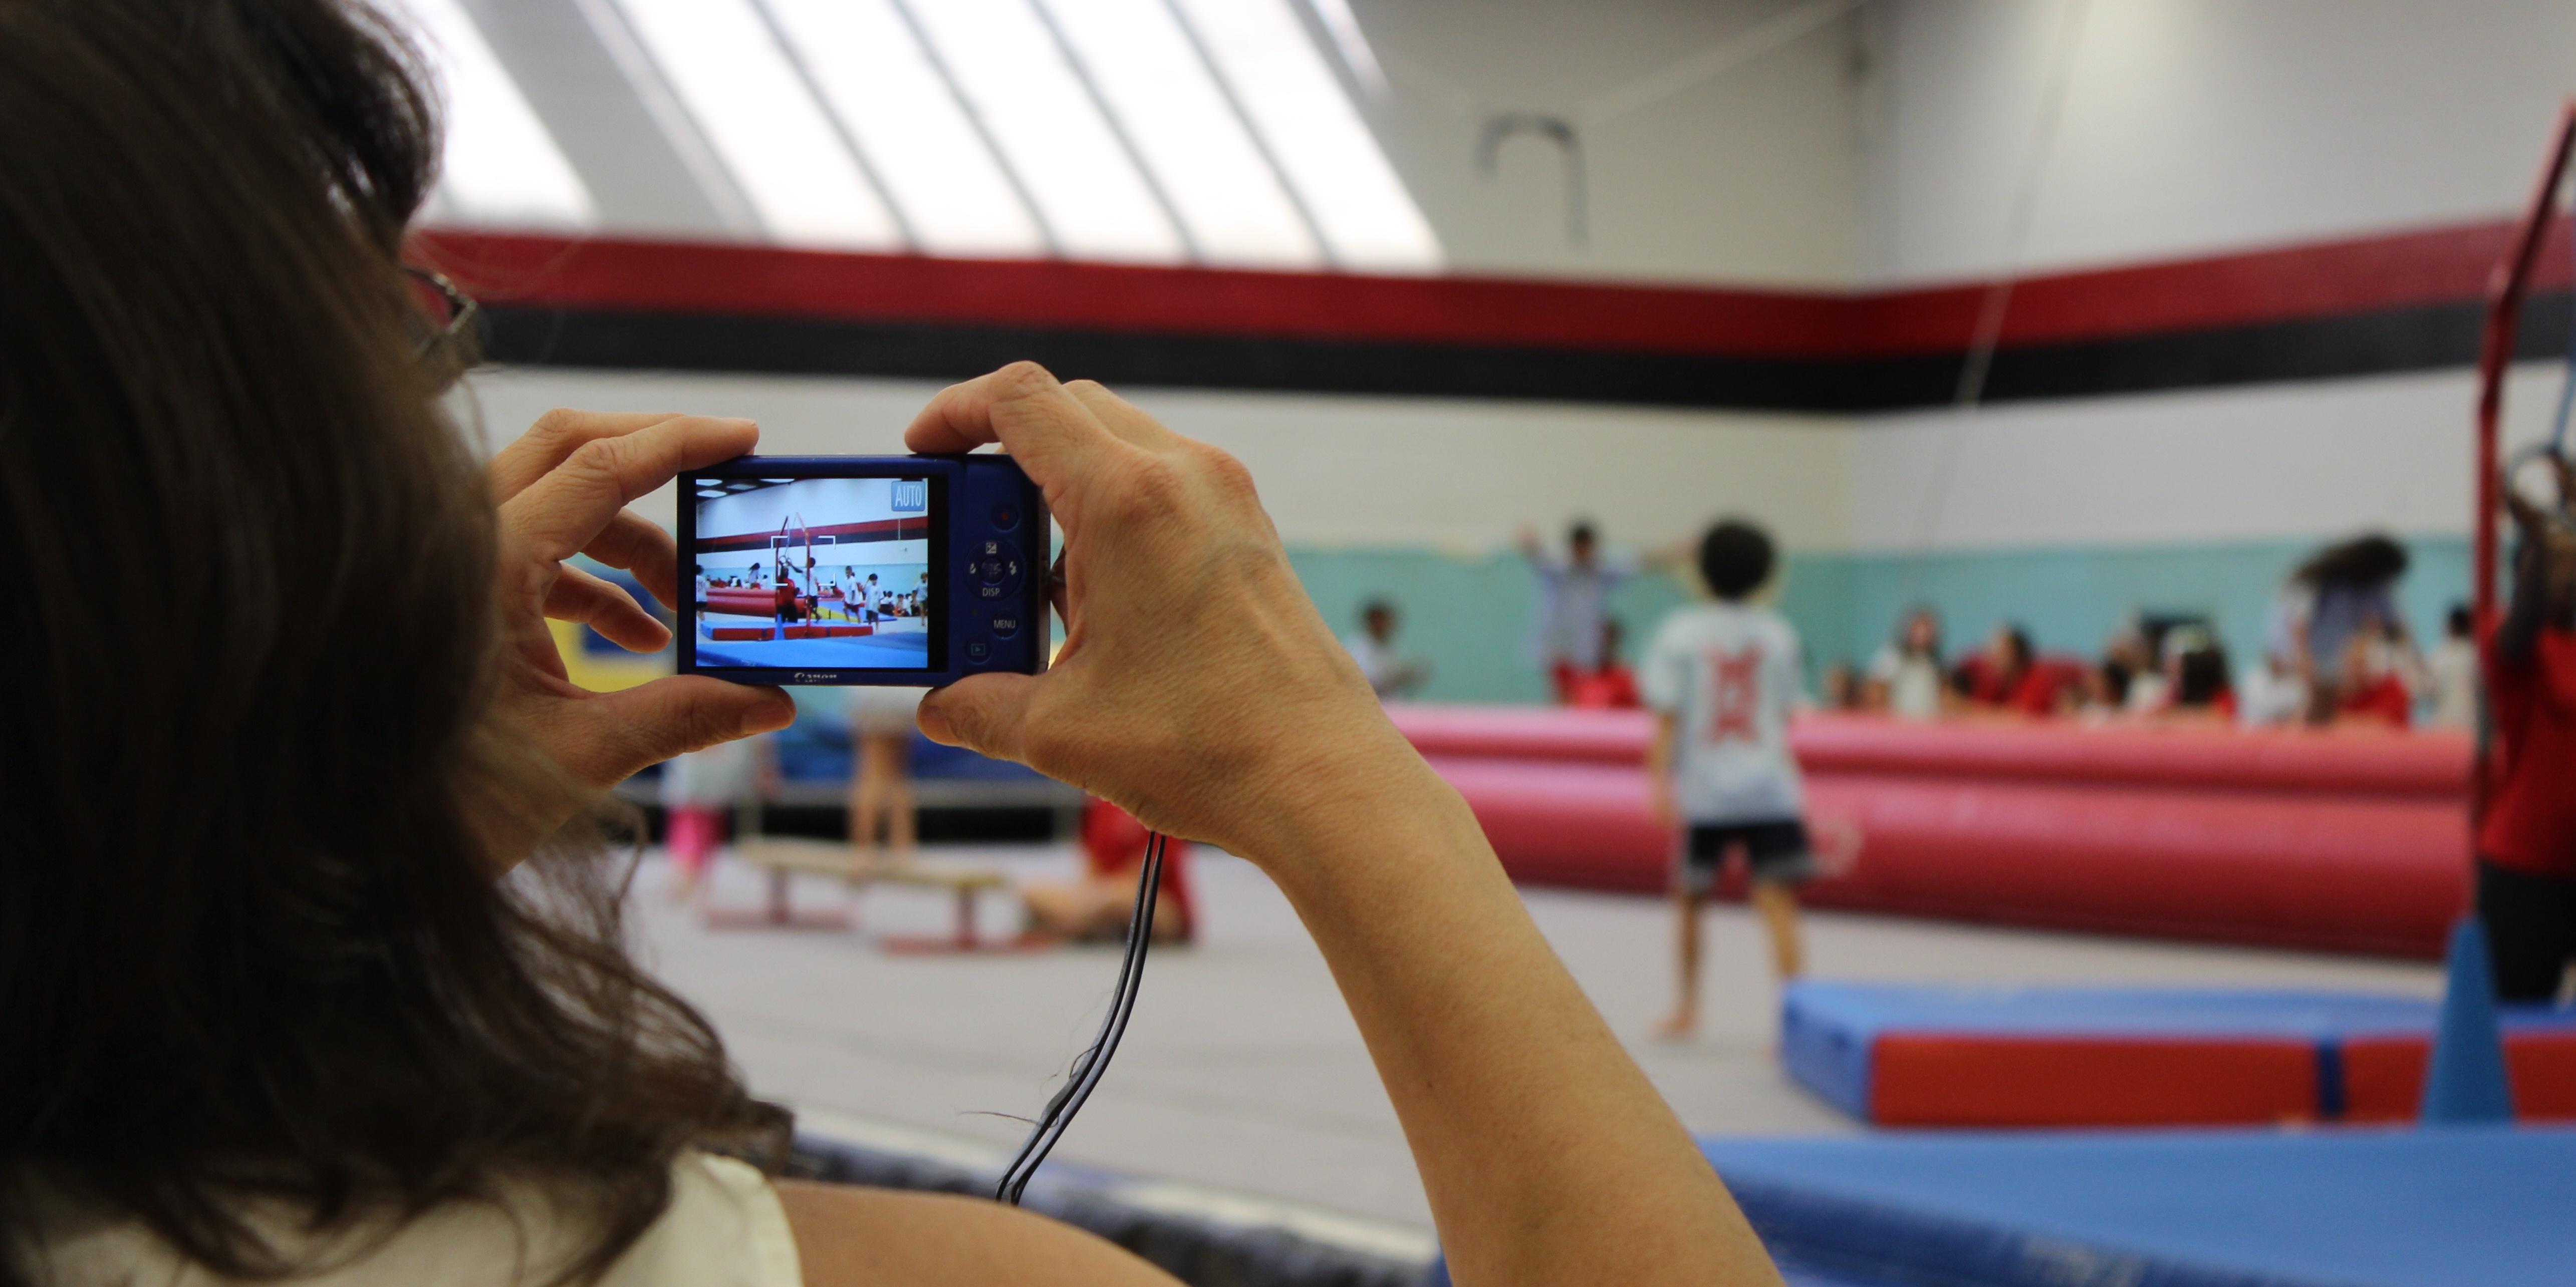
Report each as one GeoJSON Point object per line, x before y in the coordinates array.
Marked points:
{"type": "Point", "coordinates": [1735, 692]}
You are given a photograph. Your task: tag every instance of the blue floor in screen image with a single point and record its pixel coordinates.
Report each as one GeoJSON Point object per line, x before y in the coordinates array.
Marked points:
{"type": "Point", "coordinates": [909, 650]}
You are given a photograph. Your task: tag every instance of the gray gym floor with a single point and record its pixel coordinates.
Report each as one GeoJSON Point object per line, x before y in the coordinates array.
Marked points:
{"type": "Point", "coordinates": [1241, 1072]}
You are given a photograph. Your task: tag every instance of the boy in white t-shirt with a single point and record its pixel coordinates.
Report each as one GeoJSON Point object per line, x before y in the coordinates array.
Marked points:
{"type": "Point", "coordinates": [1722, 678]}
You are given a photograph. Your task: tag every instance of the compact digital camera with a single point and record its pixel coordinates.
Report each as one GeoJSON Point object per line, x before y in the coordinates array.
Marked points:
{"type": "Point", "coordinates": [862, 570]}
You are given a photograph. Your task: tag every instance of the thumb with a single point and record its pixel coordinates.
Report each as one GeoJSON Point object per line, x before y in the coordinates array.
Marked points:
{"type": "Point", "coordinates": [652, 722]}
{"type": "Point", "coordinates": [982, 713]}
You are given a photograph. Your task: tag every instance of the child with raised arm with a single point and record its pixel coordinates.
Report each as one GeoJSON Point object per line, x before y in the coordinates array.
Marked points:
{"type": "Point", "coordinates": [2526, 838]}
{"type": "Point", "coordinates": [1722, 678]}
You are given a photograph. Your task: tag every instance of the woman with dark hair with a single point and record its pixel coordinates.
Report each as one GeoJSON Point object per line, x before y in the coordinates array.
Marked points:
{"type": "Point", "coordinates": [2197, 680]}
{"type": "Point", "coordinates": [308, 965]}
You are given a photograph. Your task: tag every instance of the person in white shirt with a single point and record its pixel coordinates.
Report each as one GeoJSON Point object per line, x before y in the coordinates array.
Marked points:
{"type": "Point", "coordinates": [2270, 694]}
{"type": "Point", "coordinates": [1906, 678]}
{"type": "Point", "coordinates": [1722, 679]}
{"type": "Point", "coordinates": [1391, 673]}
{"type": "Point", "coordinates": [1574, 597]}
{"type": "Point", "coordinates": [2452, 673]}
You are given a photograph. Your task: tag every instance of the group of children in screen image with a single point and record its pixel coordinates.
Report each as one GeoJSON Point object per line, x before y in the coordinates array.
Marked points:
{"type": "Point", "coordinates": [850, 595]}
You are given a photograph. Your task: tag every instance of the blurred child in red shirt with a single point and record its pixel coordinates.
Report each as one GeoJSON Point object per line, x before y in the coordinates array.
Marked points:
{"type": "Point", "coordinates": [1097, 906]}
{"type": "Point", "coordinates": [2007, 677]}
{"type": "Point", "coordinates": [2371, 686]}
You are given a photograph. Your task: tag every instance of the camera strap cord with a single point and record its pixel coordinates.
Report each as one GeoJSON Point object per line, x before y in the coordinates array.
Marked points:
{"type": "Point", "coordinates": [1094, 1061]}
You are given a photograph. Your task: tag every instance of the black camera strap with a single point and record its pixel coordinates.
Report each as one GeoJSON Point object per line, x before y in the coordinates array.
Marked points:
{"type": "Point", "coordinates": [1094, 1061]}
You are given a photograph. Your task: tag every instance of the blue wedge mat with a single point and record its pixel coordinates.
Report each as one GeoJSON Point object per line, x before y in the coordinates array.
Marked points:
{"type": "Point", "coordinates": [2461, 1207]}
{"type": "Point", "coordinates": [1828, 1029]}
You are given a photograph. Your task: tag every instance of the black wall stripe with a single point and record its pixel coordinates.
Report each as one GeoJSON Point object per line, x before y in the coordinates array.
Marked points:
{"type": "Point", "coordinates": [2382, 341]}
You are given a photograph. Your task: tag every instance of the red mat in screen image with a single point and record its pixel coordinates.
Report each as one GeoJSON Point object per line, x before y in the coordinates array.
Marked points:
{"type": "Point", "coordinates": [813, 573]}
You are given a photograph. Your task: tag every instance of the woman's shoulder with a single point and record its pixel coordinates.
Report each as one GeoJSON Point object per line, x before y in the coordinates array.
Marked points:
{"type": "Point", "coordinates": [854, 1236]}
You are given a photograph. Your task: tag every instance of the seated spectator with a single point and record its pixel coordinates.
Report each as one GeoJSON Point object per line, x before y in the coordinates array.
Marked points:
{"type": "Point", "coordinates": [1392, 674]}
{"type": "Point", "coordinates": [2007, 676]}
{"type": "Point", "coordinates": [2371, 686]}
{"type": "Point", "coordinates": [2132, 676]}
{"type": "Point", "coordinates": [2272, 694]}
{"type": "Point", "coordinates": [1096, 907]}
{"type": "Point", "coordinates": [2102, 689]}
{"type": "Point", "coordinates": [2195, 676]}
{"type": "Point", "coordinates": [1609, 686]}
{"type": "Point", "coordinates": [2452, 674]}
{"type": "Point", "coordinates": [1905, 678]}
{"type": "Point", "coordinates": [1840, 688]}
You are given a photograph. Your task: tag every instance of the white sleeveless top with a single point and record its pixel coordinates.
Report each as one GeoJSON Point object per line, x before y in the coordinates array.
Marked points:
{"type": "Point", "coordinates": [724, 1228]}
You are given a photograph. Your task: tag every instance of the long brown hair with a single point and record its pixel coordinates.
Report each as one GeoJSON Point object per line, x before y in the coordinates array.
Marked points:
{"type": "Point", "coordinates": [248, 945]}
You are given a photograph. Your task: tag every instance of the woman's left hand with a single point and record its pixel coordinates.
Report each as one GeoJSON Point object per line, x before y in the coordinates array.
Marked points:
{"type": "Point", "coordinates": [563, 488]}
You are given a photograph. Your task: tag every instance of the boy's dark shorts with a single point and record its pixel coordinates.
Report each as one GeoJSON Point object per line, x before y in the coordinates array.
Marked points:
{"type": "Point", "coordinates": [1776, 852]}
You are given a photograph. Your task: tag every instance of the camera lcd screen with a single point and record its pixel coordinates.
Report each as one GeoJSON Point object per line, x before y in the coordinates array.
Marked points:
{"type": "Point", "coordinates": [815, 573]}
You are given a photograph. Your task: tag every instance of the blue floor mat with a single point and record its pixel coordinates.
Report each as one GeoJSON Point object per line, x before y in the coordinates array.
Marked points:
{"type": "Point", "coordinates": [909, 651]}
{"type": "Point", "coordinates": [2460, 1207]}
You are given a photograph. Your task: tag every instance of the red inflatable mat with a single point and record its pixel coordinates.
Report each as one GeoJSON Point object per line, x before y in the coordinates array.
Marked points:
{"type": "Point", "coordinates": [2435, 764]}
{"type": "Point", "coordinates": [2336, 874]}
{"type": "Point", "coordinates": [2262, 853]}
{"type": "Point", "coordinates": [2378, 765]}
{"type": "Point", "coordinates": [1552, 734]}
{"type": "Point", "coordinates": [1900, 1055]}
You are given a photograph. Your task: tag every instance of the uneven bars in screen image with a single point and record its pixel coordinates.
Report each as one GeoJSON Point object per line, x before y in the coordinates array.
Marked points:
{"type": "Point", "coordinates": [813, 573]}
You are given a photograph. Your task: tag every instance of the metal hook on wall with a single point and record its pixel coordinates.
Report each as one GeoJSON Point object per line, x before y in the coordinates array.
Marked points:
{"type": "Point", "coordinates": [1557, 130]}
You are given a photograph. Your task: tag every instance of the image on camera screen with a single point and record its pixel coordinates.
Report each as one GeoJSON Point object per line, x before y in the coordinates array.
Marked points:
{"type": "Point", "coordinates": [813, 573]}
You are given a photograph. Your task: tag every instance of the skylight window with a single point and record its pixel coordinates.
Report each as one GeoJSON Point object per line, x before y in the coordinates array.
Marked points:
{"type": "Point", "coordinates": [1317, 136]}
{"type": "Point", "coordinates": [1190, 136]}
{"type": "Point", "coordinates": [937, 170]}
{"type": "Point", "coordinates": [1344, 26]}
{"type": "Point", "coordinates": [728, 69]}
{"type": "Point", "coordinates": [1050, 131]}
{"type": "Point", "coordinates": [500, 165]}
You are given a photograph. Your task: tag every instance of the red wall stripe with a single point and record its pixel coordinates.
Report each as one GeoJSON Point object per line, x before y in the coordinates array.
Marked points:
{"type": "Point", "coordinates": [2321, 279]}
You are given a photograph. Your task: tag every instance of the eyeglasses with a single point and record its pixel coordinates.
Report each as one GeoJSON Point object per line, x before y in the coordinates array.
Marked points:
{"type": "Point", "coordinates": [442, 312]}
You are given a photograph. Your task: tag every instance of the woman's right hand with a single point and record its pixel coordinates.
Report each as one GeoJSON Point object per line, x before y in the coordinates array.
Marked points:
{"type": "Point", "coordinates": [1197, 687]}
